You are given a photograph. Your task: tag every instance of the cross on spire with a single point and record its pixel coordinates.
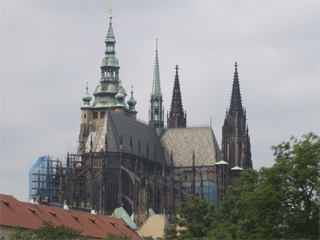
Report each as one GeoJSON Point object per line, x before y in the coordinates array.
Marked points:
{"type": "Point", "coordinates": [110, 12]}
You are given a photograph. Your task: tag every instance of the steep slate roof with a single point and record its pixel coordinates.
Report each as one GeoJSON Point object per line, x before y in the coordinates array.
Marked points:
{"type": "Point", "coordinates": [29, 216]}
{"type": "Point", "coordinates": [122, 213]}
{"type": "Point", "coordinates": [183, 141]}
{"type": "Point", "coordinates": [119, 126]}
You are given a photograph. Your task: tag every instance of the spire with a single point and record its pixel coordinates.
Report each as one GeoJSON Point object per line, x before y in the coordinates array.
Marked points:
{"type": "Point", "coordinates": [156, 89]}
{"type": "Point", "coordinates": [176, 117]}
{"type": "Point", "coordinates": [235, 102]}
{"type": "Point", "coordinates": [86, 98]}
{"type": "Point", "coordinates": [156, 109]}
{"type": "Point", "coordinates": [110, 87]}
{"type": "Point", "coordinates": [110, 36]}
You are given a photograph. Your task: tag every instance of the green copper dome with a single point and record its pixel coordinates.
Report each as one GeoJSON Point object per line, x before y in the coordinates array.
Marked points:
{"type": "Point", "coordinates": [120, 96]}
{"type": "Point", "coordinates": [132, 102]}
{"type": "Point", "coordinates": [110, 61]}
{"type": "Point", "coordinates": [86, 98]}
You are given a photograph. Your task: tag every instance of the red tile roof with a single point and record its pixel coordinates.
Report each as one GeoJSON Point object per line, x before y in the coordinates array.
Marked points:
{"type": "Point", "coordinates": [29, 216]}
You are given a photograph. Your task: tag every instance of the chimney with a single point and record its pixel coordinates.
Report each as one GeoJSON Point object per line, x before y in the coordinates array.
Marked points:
{"type": "Point", "coordinates": [65, 205]}
{"type": "Point", "coordinates": [38, 201]}
{"type": "Point", "coordinates": [47, 199]}
{"type": "Point", "coordinates": [94, 212]}
{"type": "Point", "coordinates": [33, 201]}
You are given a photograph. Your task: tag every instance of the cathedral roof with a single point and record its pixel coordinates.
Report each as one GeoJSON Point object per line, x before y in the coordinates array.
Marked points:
{"type": "Point", "coordinates": [122, 214]}
{"type": "Point", "coordinates": [183, 141]}
{"type": "Point", "coordinates": [119, 127]}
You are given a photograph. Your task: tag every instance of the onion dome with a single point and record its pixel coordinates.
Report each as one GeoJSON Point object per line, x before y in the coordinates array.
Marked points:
{"type": "Point", "coordinates": [86, 98]}
{"type": "Point", "coordinates": [132, 102]}
{"type": "Point", "coordinates": [120, 95]}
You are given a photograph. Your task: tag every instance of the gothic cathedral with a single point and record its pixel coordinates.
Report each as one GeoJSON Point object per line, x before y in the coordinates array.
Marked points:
{"type": "Point", "coordinates": [123, 162]}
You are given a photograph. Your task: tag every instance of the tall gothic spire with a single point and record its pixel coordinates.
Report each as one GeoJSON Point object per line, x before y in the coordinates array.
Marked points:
{"type": "Point", "coordinates": [235, 102]}
{"type": "Point", "coordinates": [235, 147]}
{"type": "Point", "coordinates": [156, 109]}
{"type": "Point", "coordinates": [176, 116]}
{"type": "Point", "coordinates": [156, 88]}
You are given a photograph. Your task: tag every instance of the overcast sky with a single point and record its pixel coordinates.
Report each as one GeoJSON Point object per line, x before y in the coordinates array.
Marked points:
{"type": "Point", "coordinates": [48, 47]}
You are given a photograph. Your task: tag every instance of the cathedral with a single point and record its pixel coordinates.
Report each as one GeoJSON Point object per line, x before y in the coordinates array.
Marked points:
{"type": "Point", "coordinates": [124, 162]}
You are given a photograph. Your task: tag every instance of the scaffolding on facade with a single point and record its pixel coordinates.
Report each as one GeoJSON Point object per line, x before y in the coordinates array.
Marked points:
{"type": "Point", "coordinates": [44, 178]}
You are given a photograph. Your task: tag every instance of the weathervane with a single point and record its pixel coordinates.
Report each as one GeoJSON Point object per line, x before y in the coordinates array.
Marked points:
{"type": "Point", "coordinates": [110, 12]}
{"type": "Point", "coordinates": [157, 42]}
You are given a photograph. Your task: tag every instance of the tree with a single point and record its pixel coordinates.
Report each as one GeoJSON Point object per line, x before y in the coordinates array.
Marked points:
{"type": "Point", "coordinates": [298, 165]}
{"type": "Point", "coordinates": [194, 221]}
{"type": "Point", "coordinates": [48, 230]}
{"type": "Point", "coordinates": [281, 202]}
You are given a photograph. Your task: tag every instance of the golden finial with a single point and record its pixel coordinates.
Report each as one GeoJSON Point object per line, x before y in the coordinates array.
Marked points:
{"type": "Point", "coordinates": [157, 42]}
{"type": "Point", "coordinates": [110, 12]}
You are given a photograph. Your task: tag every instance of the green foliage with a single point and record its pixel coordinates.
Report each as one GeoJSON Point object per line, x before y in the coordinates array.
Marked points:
{"type": "Point", "coordinates": [147, 238]}
{"type": "Point", "coordinates": [119, 236]}
{"type": "Point", "coordinates": [281, 202]}
{"type": "Point", "coordinates": [195, 220]}
{"type": "Point", "coordinates": [47, 230]}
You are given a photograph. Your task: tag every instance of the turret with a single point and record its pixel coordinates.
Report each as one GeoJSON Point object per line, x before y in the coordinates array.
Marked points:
{"type": "Point", "coordinates": [85, 117]}
{"type": "Point", "coordinates": [86, 99]}
{"type": "Point", "coordinates": [132, 102]}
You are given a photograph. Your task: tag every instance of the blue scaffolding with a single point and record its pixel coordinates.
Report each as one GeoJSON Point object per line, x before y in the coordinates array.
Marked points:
{"type": "Point", "coordinates": [210, 192]}
{"type": "Point", "coordinates": [41, 176]}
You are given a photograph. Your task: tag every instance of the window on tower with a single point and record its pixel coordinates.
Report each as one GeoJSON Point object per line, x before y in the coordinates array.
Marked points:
{"type": "Point", "coordinates": [102, 114]}
{"type": "Point", "coordinates": [95, 115]}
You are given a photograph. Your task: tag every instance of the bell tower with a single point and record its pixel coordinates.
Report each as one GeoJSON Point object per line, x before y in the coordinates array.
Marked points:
{"type": "Point", "coordinates": [108, 95]}
{"type": "Point", "coordinates": [236, 149]}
